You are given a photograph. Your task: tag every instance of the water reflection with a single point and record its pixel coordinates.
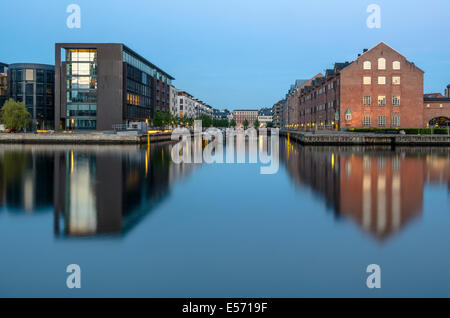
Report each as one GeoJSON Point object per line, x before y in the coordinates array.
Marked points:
{"type": "Point", "coordinates": [92, 190]}
{"type": "Point", "coordinates": [381, 189]}
{"type": "Point", "coordinates": [107, 190]}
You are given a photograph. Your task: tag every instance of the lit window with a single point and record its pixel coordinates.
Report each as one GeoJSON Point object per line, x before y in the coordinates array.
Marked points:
{"type": "Point", "coordinates": [396, 80]}
{"type": "Point", "coordinates": [29, 75]}
{"type": "Point", "coordinates": [395, 100]}
{"type": "Point", "coordinates": [366, 121]}
{"type": "Point", "coordinates": [381, 100]}
{"type": "Point", "coordinates": [396, 121]}
{"type": "Point", "coordinates": [396, 65]}
{"type": "Point", "coordinates": [381, 63]}
{"type": "Point", "coordinates": [367, 80]}
{"type": "Point", "coordinates": [367, 100]}
{"type": "Point", "coordinates": [381, 121]}
{"type": "Point", "coordinates": [367, 65]}
{"type": "Point", "coordinates": [381, 80]}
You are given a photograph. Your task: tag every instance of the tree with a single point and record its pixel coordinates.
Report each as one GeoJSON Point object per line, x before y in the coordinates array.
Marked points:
{"type": "Point", "coordinates": [256, 124]}
{"type": "Point", "coordinates": [14, 115]}
{"type": "Point", "coordinates": [232, 123]}
{"type": "Point", "coordinates": [269, 124]}
{"type": "Point", "coordinates": [245, 124]}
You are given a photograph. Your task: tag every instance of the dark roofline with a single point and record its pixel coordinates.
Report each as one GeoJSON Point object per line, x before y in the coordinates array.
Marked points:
{"type": "Point", "coordinates": [32, 65]}
{"type": "Point", "coordinates": [147, 61]}
{"type": "Point", "coordinates": [436, 99]}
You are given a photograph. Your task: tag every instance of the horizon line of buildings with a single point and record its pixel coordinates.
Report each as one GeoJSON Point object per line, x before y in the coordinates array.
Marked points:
{"type": "Point", "coordinates": [96, 86]}
{"type": "Point", "coordinates": [380, 89]}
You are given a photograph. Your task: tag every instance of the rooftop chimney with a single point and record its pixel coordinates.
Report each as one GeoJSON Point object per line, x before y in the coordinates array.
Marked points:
{"type": "Point", "coordinates": [448, 91]}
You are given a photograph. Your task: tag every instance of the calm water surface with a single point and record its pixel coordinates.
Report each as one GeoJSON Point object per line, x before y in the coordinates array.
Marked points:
{"type": "Point", "coordinates": [140, 225]}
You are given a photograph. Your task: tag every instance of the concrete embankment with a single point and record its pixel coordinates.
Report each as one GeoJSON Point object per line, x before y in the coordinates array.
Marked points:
{"type": "Point", "coordinates": [80, 138]}
{"type": "Point", "coordinates": [348, 138]}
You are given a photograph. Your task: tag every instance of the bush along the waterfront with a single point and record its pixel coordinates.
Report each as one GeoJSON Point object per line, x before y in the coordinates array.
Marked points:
{"type": "Point", "coordinates": [407, 131]}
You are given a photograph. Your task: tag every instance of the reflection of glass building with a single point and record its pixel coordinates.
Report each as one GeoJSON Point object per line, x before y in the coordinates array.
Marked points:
{"type": "Point", "coordinates": [3, 83]}
{"type": "Point", "coordinates": [99, 86]}
{"type": "Point", "coordinates": [33, 84]}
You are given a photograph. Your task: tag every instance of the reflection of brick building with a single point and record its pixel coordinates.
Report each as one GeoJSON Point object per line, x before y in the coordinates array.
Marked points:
{"type": "Point", "coordinates": [379, 189]}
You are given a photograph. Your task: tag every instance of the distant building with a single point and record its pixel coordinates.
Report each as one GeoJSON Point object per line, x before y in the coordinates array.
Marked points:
{"type": "Point", "coordinates": [173, 100]}
{"type": "Point", "coordinates": [219, 115]}
{"type": "Point", "coordinates": [277, 113]}
{"type": "Point", "coordinates": [186, 105]}
{"type": "Point", "coordinates": [292, 106]}
{"type": "Point", "coordinates": [105, 85]}
{"type": "Point", "coordinates": [3, 83]}
{"type": "Point", "coordinates": [265, 116]}
{"type": "Point", "coordinates": [437, 109]}
{"type": "Point", "coordinates": [34, 85]}
{"type": "Point", "coordinates": [246, 114]}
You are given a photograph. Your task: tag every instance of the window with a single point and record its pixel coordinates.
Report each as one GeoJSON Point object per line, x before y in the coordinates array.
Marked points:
{"type": "Point", "coordinates": [367, 80]}
{"type": "Point", "coordinates": [381, 100]}
{"type": "Point", "coordinates": [348, 115]}
{"type": "Point", "coordinates": [367, 65]}
{"type": "Point", "coordinates": [381, 121]}
{"type": "Point", "coordinates": [381, 63]}
{"type": "Point", "coordinates": [366, 121]}
{"type": "Point", "coordinates": [396, 80]}
{"type": "Point", "coordinates": [396, 121]}
{"type": "Point", "coordinates": [29, 75]}
{"type": "Point", "coordinates": [367, 100]}
{"type": "Point", "coordinates": [396, 65]}
{"type": "Point", "coordinates": [395, 100]}
{"type": "Point", "coordinates": [381, 80]}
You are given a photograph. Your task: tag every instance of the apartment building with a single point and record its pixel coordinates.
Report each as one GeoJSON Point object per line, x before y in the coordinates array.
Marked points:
{"type": "Point", "coordinates": [250, 115]}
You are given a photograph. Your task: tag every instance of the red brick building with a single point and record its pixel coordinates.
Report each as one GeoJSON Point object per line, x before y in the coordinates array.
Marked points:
{"type": "Point", "coordinates": [436, 109]}
{"type": "Point", "coordinates": [380, 89]}
{"type": "Point", "coordinates": [240, 115]}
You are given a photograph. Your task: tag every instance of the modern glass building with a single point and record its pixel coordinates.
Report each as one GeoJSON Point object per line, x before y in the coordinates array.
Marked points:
{"type": "Point", "coordinates": [33, 84]}
{"type": "Point", "coordinates": [3, 83]}
{"type": "Point", "coordinates": [105, 85]}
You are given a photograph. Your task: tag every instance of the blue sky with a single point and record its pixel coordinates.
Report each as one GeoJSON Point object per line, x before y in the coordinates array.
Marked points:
{"type": "Point", "coordinates": [235, 53]}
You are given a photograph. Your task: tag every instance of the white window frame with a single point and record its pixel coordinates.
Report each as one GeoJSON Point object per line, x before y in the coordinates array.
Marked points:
{"type": "Point", "coordinates": [396, 98]}
{"type": "Point", "coordinates": [396, 121]}
{"type": "Point", "coordinates": [396, 65]}
{"type": "Point", "coordinates": [381, 63]}
{"type": "Point", "coordinates": [381, 121]}
{"type": "Point", "coordinates": [367, 100]}
{"type": "Point", "coordinates": [367, 80]}
{"type": "Point", "coordinates": [367, 65]}
{"type": "Point", "coordinates": [367, 121]}
{"type": "Point", "coordinates": [381, 80]}
{"type": "Point", "coordinates": [394, 80]}
{"type": "Point", "coordinates": [380, 98]}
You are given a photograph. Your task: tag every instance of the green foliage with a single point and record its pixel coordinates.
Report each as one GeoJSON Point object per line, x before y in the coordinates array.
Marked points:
{"type": "Point", "coordinates": [232, 123]}
{"type": "Point", "coordinates": [245, 124]}
{"type": "Point", "coordinates": [206, 121]}
{"type": "Point", "coordinates": [223, 123]}
{"type": "Point", "coordinates": [14, 115]}
{"type": "Point", "coordinates": [269, 124]}
{"type": "Point", "coordinates": [256, 124]}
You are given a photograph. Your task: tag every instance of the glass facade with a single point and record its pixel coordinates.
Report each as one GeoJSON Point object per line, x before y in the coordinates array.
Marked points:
{"type": "Point", "coordinates": [34, 84]}
{"type": "Point", "coordinates": [81, 89]}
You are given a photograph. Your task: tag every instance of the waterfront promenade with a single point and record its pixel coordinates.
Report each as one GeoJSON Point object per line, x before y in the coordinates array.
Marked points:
{"type": "Point", "coordinates": [357, 138]}
{"type": "Point", "coordinates": [83, 138]}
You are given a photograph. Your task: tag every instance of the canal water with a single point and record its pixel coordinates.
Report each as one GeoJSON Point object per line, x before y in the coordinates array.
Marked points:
{"type": "Point", "coordinates": [139, 225]}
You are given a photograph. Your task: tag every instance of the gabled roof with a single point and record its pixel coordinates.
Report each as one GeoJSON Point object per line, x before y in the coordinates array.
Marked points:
{"type": "Point", "coordinates": [389, 47]}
